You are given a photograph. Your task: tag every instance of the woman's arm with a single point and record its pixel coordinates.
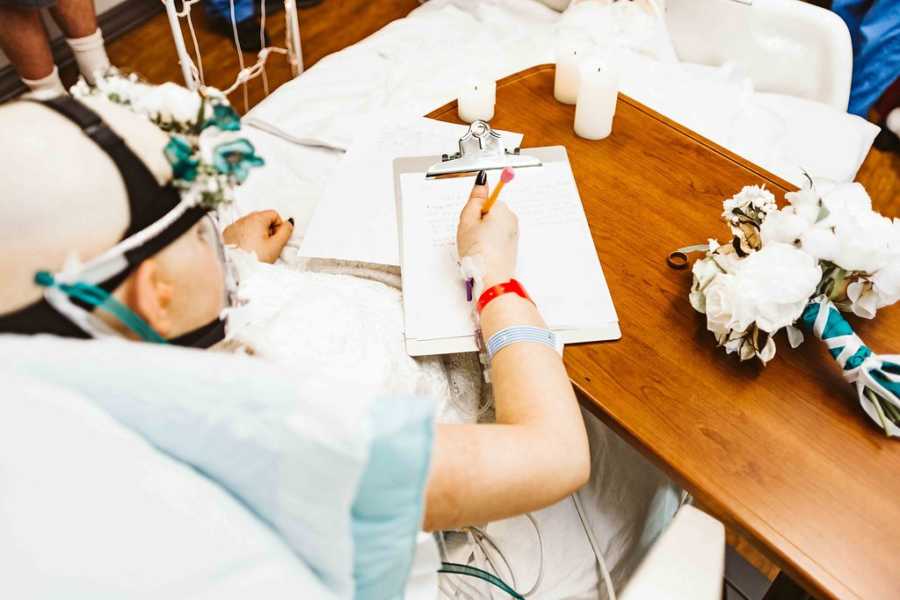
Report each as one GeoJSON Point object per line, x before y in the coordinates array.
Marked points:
{"type": "Point", "coordinates": [537, 452]}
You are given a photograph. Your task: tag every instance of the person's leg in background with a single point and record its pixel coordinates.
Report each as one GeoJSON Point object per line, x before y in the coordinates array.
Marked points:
{"type": "Point", "coordinates": [24, 40]}
{"type": "Point", "coordinates": [246, 13]}
{"type": "Point", "coordinates": [219, 14]}
{"type": "Point", "coordinates": [78, 22]}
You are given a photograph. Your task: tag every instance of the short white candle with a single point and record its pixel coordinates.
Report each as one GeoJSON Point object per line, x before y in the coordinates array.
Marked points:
{"type": "Point", "coordinates": [568, 64]}
{"type": "Point", "coordinates": [597, 96]}
{"type": "Point", "coordinates": [476, 101]}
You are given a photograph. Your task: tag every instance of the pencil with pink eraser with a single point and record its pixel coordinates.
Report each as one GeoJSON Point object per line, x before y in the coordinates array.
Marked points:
{"type": "Point", "coordinates": [505, 177]}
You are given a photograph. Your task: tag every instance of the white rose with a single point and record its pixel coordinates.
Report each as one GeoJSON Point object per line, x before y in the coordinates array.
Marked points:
{"type": "Point", "coordinates": [721, 302]}
{"type": "Point", "coordinates": [820, 243]}
{"type": "Point", "coordinates": [774, 285]}
{"type": "Point", "coordinates": [783, 226]}
{"type": "Point", "coordinates": [865, 241]}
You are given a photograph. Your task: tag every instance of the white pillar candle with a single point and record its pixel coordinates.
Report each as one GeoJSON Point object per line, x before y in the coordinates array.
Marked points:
{"type": "Point", "coordinates": [568, 63]}
{"type": "Point", "coordinates": [597, 96]}
{"type": "Point", "coordinates": [476, 101]}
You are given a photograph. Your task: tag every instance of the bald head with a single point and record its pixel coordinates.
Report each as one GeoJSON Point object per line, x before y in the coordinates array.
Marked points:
{"type": "Point", "coordinates": [60, 194]}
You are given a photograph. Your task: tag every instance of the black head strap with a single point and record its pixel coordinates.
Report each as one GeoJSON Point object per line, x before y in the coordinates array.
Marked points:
{"type": "Point", "coordinates": [147, 200]}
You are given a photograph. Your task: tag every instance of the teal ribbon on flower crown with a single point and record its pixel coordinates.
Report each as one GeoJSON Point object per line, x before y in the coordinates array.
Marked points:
{"type": "Point", "coordinates": [876, 377]}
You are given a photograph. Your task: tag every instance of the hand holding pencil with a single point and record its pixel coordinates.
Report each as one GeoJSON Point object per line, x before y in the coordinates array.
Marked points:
{"type": "Point", "coordinates": [493, 236]}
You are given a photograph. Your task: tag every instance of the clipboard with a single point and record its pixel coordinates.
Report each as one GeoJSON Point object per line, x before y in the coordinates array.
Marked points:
{"type": "Point", "coordinates": [481, 149]}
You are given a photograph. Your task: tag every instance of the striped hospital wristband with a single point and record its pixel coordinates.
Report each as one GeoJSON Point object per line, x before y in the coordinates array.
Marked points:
{"type": "Point", "coordinates": [520, 333]}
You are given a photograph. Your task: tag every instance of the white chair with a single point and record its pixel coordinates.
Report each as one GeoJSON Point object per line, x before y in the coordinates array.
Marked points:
{"type": "Point", "coordinates": [687, 562]}
{"type": "Point", "coordinates": [784, 46]}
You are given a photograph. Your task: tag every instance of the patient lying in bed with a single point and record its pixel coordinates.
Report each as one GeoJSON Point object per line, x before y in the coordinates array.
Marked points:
{"type": "Point", "coordinates": [172, 286]}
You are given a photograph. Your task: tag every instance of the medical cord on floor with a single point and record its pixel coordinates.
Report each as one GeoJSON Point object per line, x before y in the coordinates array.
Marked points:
{"type": "Point", "coordinates": [607, 579]}
{"type": "Point", "coordinates": [479, 538]}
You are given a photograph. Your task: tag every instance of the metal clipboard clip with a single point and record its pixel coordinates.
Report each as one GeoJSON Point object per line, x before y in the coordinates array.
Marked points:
{"type": "Point", "coordinates": [481, 148]}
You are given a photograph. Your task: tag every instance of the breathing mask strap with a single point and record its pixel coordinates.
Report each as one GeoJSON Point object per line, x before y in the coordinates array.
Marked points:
{"type": "Point", "coordinates": [97, 297]}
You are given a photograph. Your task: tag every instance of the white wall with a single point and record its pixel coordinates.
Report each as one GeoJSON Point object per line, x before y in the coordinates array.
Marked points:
{"type": "Point", "coordinates": [101, 7]}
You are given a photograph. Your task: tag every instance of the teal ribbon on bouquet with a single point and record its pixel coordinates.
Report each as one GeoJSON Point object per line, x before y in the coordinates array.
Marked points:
{"type": "Point", "coordinates": [876, 377]}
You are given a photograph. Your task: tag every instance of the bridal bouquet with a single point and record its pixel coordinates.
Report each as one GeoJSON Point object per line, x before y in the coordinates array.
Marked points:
{"type": "Point", "coordinates": [800, 266]}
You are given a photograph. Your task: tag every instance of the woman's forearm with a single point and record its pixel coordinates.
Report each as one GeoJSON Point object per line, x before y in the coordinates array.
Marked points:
{"type": "Point", "coordinates": [536, 454]}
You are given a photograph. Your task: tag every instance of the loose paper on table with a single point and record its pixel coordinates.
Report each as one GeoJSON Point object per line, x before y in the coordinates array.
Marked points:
{"type": "Point", "coordinates": [356, 220]}
{"type": "Point", "coordinates": [557, 260]}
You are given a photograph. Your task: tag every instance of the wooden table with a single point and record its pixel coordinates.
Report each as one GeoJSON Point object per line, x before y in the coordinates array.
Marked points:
{"type": "Point", "coordinates": [783, 454]}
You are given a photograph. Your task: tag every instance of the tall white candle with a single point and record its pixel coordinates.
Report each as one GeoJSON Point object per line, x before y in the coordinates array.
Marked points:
{"type": "Point", "coordinates": [597, 96]}
{"type": "Point", "coordinates": [568, 63]}
{"type": "Point", "coordinates": [476, 100]}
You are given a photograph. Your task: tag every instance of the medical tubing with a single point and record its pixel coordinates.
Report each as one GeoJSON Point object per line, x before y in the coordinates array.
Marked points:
{"type": "Point", "coordinates": [484, 537]}
{"type": "Point", "coordinates": [482, 562]}
{"type": "Point", "coordinates": [540, 575]}
{"type": "Point", "coordinates": [604, 571]}
{"type": "Point", "coordinates": [458, 569]}
{"type": "Point", "coordinates": [96, 296]}
{"type": "Point", "coordinates": [457, 590]}
{"type": "Point", "coordinates": [479, 538]}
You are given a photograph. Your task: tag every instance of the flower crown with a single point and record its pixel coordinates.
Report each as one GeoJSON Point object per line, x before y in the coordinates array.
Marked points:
{"type": "Point", "coordinates": [208, 157]}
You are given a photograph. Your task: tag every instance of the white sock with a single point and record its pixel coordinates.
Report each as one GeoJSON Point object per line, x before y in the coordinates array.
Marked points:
{"type": "Point", "coordinates": [90, 54]}
{"type": "Point", "coordinates": [46, 87]}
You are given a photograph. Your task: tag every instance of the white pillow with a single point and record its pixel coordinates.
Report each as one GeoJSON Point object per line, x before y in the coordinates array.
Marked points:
{"type": "Point", "coordinates": [91, 510]}
{"type": "Point", "coordinates": [789, 135]}
{"type": "Point", "coordinates": [783, 134]}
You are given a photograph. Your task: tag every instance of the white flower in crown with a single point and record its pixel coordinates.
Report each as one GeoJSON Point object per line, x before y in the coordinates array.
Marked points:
{"type": "Point", "coordinates": [207, 155]}
{"type": "Point", "coordinates": [170, 103]}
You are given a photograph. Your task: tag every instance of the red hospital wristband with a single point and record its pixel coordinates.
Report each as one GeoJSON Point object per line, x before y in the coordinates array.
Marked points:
{"type": "Point", "coordinates": [511, 286]}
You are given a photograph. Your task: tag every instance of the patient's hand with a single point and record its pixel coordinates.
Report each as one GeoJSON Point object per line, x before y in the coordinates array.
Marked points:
{"type": "Point", "coordinates": [262, 232]}
{"type": "Point", "coordinates": [495, 237]}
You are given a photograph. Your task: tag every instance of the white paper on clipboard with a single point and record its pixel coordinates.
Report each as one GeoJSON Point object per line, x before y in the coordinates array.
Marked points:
{"type": "Point", "coordinates": [557, 262]}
